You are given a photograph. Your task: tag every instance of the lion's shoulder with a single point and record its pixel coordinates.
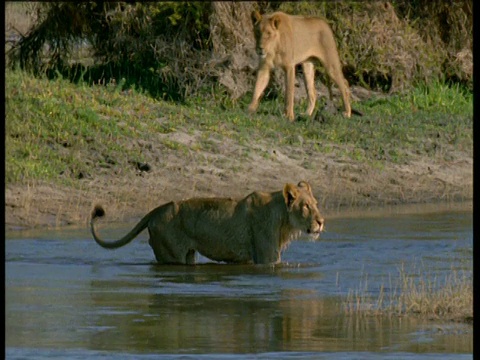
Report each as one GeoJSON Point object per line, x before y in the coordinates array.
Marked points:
{"type": "Point", "coordinates": [261, 199]}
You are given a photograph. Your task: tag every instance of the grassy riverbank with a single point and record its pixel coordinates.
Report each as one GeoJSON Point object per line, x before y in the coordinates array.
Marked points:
{"type": "Point", "coordinates": [75, 144]}
{"type": "Point", "coordinates": [50, 124]}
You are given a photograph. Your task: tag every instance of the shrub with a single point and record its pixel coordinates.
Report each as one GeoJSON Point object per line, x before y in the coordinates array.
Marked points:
{"type": "Point", "coordinates": [141, 42]}
{"type": "Point", "coordinates": [177, 49]}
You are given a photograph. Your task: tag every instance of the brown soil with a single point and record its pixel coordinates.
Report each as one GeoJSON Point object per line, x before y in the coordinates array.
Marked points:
{"type": "Point", "coordinates": [339, 184]}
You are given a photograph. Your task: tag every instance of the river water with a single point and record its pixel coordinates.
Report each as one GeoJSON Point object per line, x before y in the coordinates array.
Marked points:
{"type": "Point", "coordinates": [66, 297]}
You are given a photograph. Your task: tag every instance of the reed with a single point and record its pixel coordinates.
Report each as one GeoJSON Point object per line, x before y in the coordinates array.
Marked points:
{"type": "Point", "coordinates": [416, 293]}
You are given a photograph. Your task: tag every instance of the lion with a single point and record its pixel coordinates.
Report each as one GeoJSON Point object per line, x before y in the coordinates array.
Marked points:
{"type": "Point", "coordinates": [285, 41]}
{"type": "Point", "coordinates": [252, 230]}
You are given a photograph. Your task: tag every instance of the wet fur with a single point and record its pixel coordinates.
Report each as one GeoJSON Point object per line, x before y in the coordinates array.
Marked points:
{"type": "Point", "coordinates": [254, 229]}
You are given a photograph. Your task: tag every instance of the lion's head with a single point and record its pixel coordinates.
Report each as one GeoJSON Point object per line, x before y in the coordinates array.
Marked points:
{"type": "Point", "coordinates": [303, 208]}
{"type": "Point", "coordinates": [266, 32]}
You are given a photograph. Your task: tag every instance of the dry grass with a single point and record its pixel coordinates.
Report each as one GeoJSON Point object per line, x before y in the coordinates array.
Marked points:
{"type": "Point", "coordinates": [449, 298]}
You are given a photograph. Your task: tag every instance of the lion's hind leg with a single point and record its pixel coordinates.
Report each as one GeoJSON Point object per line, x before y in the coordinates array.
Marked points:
{"type": "Point", "coordinates": [167, 255]}
{"type": "Point", "coordinates": [335, 73]}
{"type": "Point", "coordinates": [171, 247]}
{"type": "Point", "coordinates": [333, 67]}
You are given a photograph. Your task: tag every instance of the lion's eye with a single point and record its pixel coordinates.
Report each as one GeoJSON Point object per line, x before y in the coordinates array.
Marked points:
{"type": "Point", "coordinates": [305, 209]}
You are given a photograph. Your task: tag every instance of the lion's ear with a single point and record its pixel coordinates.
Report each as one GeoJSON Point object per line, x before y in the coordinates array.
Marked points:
{"type": "Point", "coordinates": [305, 185]}
{"type": "Point", "coordinates": [290, 193]}
{"type": "Point", "coordinates": [256, 17]}
{"type": "Point", "coordinates": [275, 21]}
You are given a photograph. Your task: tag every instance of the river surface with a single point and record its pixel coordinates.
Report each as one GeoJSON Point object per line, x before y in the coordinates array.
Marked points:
{"type": "Point", "coordinates": [66, 297]}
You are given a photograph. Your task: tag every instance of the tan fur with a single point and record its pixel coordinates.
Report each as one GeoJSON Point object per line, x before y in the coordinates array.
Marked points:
{"type": "Point", "coordinates": [254, 229]}
{"type": "Point", "coordinates": [285, 41]}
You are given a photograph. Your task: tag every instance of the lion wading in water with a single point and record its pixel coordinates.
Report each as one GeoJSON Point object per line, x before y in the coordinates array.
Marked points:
{"type": "Point", "coordinates": [285, 41]}
{"type": "Point", "coordinates": [254, 229]}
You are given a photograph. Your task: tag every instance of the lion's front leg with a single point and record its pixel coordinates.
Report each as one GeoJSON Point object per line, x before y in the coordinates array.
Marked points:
{"type": "Point", "coordinates": [289, 89]}
{"type": "Point", "coordinates": [263, 77]}
{"type": "Point", "coordinates": [346, 99]}
{"type": "Point", "coordinates": [266, 250]}
{"type": "Point", "coordinates": [190, 258]}
{"type": "Point", "coordinates": [264, 258]}
{"type": "Point", "coordinates": [309, 74]}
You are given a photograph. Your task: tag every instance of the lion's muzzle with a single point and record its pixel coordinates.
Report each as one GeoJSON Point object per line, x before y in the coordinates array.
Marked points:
{"type": "Point", "coordinates": [261, 53]}
{"type": "Point", "coordinates": [316, 228]}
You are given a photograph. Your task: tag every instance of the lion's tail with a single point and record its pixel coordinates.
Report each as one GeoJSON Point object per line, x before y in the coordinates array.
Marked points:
{"type": "Point", "coordinates": [98, 212]}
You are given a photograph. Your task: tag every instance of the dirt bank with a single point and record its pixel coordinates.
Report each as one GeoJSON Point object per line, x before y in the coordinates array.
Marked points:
{"type": "Point", "coordinates": [339, 184]}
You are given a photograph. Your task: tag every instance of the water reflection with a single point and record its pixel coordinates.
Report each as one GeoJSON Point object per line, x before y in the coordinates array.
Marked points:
{"type": "Point", "coordinates": [290, 320]}
{"type": "Point", "coordinates": [83, 297]}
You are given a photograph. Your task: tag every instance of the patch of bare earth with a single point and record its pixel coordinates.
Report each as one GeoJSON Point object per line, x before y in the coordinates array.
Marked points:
{"type": "Point", "coordinates": [230, 169]}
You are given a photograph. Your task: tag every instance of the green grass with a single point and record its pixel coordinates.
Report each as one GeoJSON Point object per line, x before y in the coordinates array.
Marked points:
{"type": "Point", "coordinates": [56, 130]}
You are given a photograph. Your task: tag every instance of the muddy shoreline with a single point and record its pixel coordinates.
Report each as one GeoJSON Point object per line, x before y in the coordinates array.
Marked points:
{"type": "Point", "coordinates": [341, 188]}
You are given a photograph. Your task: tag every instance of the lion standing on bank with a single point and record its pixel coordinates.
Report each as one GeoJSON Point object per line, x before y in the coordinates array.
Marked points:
{"type": "Point", "coordinates": [254, 229]}
{"type": "Point", "coordinates": [285, 41]}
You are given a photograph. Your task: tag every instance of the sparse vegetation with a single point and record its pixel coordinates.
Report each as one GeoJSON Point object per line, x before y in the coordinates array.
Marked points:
{"type": "Point", "coordinates": [416, 293]}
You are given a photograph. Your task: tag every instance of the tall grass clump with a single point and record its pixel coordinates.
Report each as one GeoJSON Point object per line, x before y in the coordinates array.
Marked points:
{"type": "Point", "coordinates": [416, 293]}
{"type": "Point", "coordinates": [450, 297]}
